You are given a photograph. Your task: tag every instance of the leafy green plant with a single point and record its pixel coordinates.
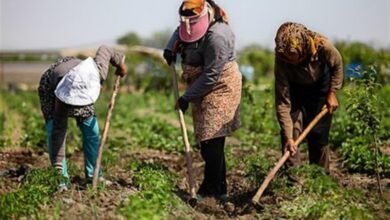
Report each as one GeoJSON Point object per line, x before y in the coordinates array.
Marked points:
{"type": "Point", "coordinates": [33, 129]}
{"type": "Point", "coordinates": [363, 103]}
{"type": "Point", "coordinates": [257, 167]}
{"type": "Point", "coordinates": [152, 132]}
{"type": "Point", "coordinates": [359, 157]}
{"type": "Point", "coordinates": [361, 152]}
{"type": "Point", "coordinates": [322, 198]}
{"type": "Point", "coordinates": [155, 199]}
{"type": "Point", "coordinates": [38, 187]}
{"type": "Point", "coordinates": [259, 126]}
{"type": "Point", "coordinates": [5, 139]}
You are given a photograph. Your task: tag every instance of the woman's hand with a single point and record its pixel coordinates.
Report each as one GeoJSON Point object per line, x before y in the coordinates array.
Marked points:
{"type": "Point", "coordinates": [332, 102]}
{"type": "Point", "coordinates": [182, 104]}
{"type": "Point", "coordinates": [121, 70]}
{"type": "Point", "coordinates": [169, 56]}
{"type": "Point", "coordinates": [291, 146]}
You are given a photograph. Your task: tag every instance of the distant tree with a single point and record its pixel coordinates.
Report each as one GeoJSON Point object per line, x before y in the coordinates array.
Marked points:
{"type": "Point", "coordinates": [356, 52]}
{"type": "Point", "coordinates": [130, 39]}
{"type": "Point", "coordinates": [261, 59]}
{"type": "Point", "coordinates": [158, 39]}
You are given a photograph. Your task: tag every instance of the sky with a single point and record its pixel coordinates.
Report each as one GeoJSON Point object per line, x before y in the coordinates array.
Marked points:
{"type": "Point", "coordinates": [51, 24]}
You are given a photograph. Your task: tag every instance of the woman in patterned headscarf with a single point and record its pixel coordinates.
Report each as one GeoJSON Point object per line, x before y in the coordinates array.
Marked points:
{"type": "Point", "coordinates": [308, 72]}
{"type": "Point", "coordinates": [206, 44]}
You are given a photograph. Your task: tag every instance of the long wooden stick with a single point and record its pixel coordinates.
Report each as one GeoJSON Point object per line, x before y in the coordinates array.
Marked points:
{"type": "Point", "coordinates": [105, 132]}
{"type": "Point", "coordinates": [286, 155]}
{"type": "Point", "coordinates": [187, 148]}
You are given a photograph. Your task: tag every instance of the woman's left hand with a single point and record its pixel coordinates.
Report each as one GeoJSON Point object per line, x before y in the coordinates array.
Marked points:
{"type": "Point", "coordinates": [121, 69]}
{"type": "Point", "coordinates": [332, 102]}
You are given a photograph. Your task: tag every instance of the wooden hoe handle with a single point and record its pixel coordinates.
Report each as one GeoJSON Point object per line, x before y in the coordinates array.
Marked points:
{"type": "Point", "coordinates": [105, 132]}
{"type": "Point", "coordinates": [183, 127]}
{"type": "Point", "coordinates": [286, 155]}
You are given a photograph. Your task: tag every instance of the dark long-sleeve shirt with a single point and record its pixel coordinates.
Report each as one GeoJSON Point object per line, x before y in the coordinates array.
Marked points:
{"type": "Point", "coordinates": [305, 74]}
{"type": "Point", "coordinates": [212, 52]}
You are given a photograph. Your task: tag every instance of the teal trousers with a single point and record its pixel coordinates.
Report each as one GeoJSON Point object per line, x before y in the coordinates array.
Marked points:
{"type": "Point", "coordinates": [91, 140]}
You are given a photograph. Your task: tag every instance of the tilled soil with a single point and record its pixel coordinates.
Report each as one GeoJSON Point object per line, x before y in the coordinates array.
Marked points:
{"type": "Point", "coordinates": [15, 163]}
{"type": "Point", "coordinates": [79, 202]}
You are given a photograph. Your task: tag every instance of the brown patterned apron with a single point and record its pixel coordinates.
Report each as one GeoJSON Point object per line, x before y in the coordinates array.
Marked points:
{"type": "Point", "coordinates": [218, 113]}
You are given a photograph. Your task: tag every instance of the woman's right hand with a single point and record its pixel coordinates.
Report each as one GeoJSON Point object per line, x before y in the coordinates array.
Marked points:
{"type": "Point", "coordinates": [291, 146]}
{"type": "Point", "coordinates": [169, 56]}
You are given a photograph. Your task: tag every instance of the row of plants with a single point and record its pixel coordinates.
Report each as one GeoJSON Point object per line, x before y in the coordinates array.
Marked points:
{"type": "Point", "coordinates": [8, 124]}
{"type": "Point", "coordinates": [137, 119]}
{"type": "Point", "coordinates": [137, 124]}
{"type": "Point", "coordinates": [23, 118]}
{"type": "Point", "coordinates": [28, 121]}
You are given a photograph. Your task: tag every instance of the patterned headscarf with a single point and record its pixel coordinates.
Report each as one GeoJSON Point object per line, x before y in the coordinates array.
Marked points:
{"type": "Point", "coordinates": [295, 43]}
{"type": "Point", "coordinates": [195, 6]}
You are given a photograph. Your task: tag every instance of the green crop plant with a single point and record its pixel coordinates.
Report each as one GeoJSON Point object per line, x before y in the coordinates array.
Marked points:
{"type": "Point", "coordinates": [320, 197]}
{"type": "Point", "coordinates": [259, 126]}
{"type": "Point", "coordinates": [257, 167]}
{"type": "Point", "coordinates": [36, 191]}
{"type": "Point", "coordinates": [361, 152]}
{"type": "Point", "coordinates": [25, 105]}
{"type": "Point", "coordinates": [156, 198]}
{"type": "Point", "coordinates": [359, 157]}
{"type": "Point", "coordinates": [152, 132]}
{"type": "Point", "coordinates": [231, 159]}
{"type": "Point", "coordinates": [10, 126]}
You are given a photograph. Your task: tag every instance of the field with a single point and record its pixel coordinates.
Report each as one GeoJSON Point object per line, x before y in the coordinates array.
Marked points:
{"type": "Point", "coordinates": [144, 159]}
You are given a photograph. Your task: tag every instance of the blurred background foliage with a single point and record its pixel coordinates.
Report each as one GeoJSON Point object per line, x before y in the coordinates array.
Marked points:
{"type": "Point", "coordinates": [256, 61]}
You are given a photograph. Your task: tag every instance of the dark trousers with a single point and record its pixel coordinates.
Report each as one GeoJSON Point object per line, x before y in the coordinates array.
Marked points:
{"type": "Point", "coordinates": [214, 182]}
{"type": "Point", "coordinates": [306, 102]}
{"type": "Point", "coordinates": [317, 139]}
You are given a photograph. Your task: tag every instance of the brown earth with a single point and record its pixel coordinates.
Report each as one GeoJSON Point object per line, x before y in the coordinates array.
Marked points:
{"type": "Point", "coordinates": [79, 202]}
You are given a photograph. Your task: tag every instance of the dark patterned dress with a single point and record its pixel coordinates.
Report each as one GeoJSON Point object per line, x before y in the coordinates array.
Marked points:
{"type": "Point", "coordinates": [46, 88]}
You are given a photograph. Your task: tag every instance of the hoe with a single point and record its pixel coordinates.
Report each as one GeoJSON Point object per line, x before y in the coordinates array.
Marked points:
{"type": "Point", "coordinates": [271, 174]}
{"type": "Point", "coordinates": [105, 132]}
{"type": "Point", "coordinates": [192, 201]}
